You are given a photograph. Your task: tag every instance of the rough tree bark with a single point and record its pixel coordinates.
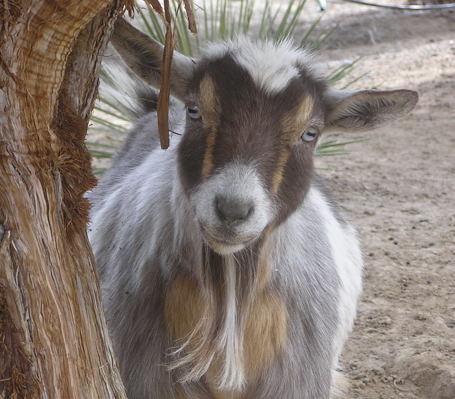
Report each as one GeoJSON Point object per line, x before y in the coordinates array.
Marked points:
{"type": "Point", "coordinates": [53, 337]}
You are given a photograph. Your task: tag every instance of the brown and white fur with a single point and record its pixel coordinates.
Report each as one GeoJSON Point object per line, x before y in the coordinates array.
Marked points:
{"type": "Point", "coordinates": [226, 269]}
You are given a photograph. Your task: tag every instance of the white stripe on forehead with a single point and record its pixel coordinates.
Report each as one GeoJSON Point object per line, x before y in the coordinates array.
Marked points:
{"type": "Point", "coordinates": [271, 65]}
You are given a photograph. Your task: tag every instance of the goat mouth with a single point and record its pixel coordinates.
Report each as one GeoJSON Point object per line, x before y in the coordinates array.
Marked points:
{"type": "Point", "coordinates": [225, 245]}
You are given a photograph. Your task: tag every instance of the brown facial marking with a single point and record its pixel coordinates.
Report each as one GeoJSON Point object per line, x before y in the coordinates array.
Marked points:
{"type": "Point", "coordinates": [295, 121]}
{"type": "Point", "coordinates": [207, 164]}
{"type": "Point", "coordinates": [278, 174]}
{"type": "Point", "coordinates": [210, 111]}
{"type": "Point", "coordinates": [292, 124]}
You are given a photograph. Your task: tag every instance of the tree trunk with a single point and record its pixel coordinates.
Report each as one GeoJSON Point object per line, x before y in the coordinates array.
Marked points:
{"type": "Point", "coordinates": [53, 337]}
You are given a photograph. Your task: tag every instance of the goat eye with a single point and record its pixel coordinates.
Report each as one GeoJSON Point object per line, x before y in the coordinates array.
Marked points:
{"type": "Point", "coordinates": [309, 135]}
{"type": "Point", "coordinates": [193, 112]}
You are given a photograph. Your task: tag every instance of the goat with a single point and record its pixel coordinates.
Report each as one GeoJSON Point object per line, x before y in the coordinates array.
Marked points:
{"type": "Point", "coordinates": [227, 271]}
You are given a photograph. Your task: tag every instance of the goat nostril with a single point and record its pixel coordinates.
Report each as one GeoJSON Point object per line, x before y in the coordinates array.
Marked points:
{"type": "Point", "coordinates": [233, 209]}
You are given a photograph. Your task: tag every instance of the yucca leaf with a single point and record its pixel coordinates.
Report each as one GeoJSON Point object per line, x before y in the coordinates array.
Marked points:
{"type": "Point", "coordinates": [116, 127]}
{"type": "Point", "coordinates": [102, 145]}
{"type": "Point", "coordinates": [145, 22]}
{"type": "Point", "coordinates": [309, 31]}
{"type": "Point", "coordinates": [292, 24]}
{"type": "Point", "coordinates": [98, 171]}
{"type": "Point", "coordinates": [156, 23]}
{"type": "Point", "coordinates": [111, 113]}
{"type": "Point", "coordinates": [351, 82]}
{"type": "Point", "coordinates": [284, 20]}
{"type": "Point", "coordinates": [322, 38]}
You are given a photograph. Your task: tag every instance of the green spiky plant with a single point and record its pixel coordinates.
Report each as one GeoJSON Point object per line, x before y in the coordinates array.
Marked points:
{"type": "Point", "coordinates": [216, 20]}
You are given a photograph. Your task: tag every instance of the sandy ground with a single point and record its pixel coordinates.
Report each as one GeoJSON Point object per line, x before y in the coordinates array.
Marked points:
{"type": "Point", "coordinates": [399, 190]}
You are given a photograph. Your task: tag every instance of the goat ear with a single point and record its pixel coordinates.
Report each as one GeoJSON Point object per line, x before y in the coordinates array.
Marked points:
{"type": "Point", "coordinates": [367, 109]}
{"type": "Point", "coordinates": [143, 55]}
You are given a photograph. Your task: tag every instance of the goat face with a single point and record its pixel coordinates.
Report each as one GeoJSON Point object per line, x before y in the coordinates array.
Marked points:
{"type": "Point", "coordinates": [254, 115]}
{"type": "Point", "coordinates": [246, 156]}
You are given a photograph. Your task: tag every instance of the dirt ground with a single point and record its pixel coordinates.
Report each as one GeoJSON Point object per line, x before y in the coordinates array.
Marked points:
{"type": "Point", "coordinates": [399, 190]}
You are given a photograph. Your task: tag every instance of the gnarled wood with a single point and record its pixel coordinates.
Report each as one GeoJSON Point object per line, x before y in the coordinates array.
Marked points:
{"type": "Point", "coordinates": [53, 337]}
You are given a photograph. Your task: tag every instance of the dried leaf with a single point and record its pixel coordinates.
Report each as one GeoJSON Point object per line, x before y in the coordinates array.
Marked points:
{"type": "Point", "coordinates": [165, 85]}
{"type": "Point", "coordinates": [167, 11]}
{"type": "Point", "coordinates": [190, 15]}
{"type": "Point", "coordinates": [128, 6]}
{"type": "Point", "coordinates": [166, 64]}
{"type": "Point", "coordinates": [156, 6]}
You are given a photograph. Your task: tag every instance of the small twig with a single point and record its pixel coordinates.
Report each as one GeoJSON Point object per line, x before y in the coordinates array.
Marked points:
{"type": "Point", "coordinates": [165, 85]}
{"type": "Point", "coordinates": [409, 8]}
{"type": "Point", "coordinates": [190, 16]}
{"type": "Point", "coordinates": [166, 63]}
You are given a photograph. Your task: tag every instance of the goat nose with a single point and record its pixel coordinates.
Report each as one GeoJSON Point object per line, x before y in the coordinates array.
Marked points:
{"type": "Point", "coordinates": [231, 209]}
